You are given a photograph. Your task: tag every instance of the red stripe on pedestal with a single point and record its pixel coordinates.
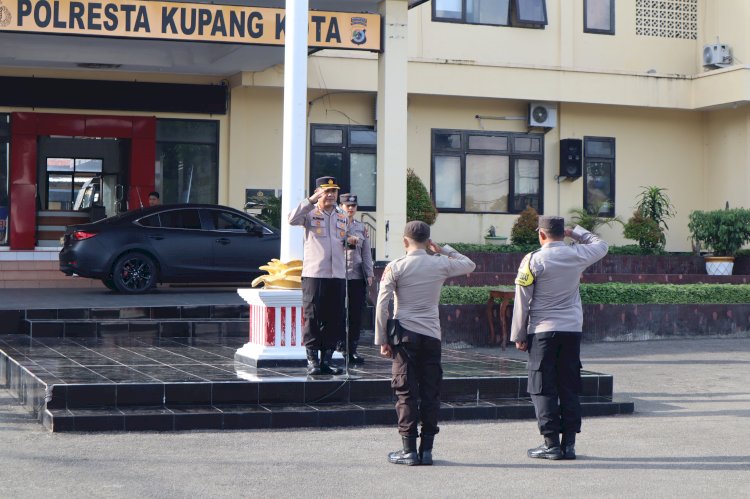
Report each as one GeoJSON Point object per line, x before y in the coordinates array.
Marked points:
{"type": "Point", "coordinates": [283, 327]}
{"type": "Point", "coordinates": [250, 323]}
{"type": "Point", "coordinates": [294, 325]}
{"type": "Point", "coordinates": [270, 326]}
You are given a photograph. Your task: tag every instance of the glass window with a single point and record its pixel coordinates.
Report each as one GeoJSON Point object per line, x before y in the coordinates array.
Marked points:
{"type": "Point", "coordinates": [599, 175]}
{"type": "Point", "coordinates": [364, 137]}
{"type": "Point", "coordinates": [328, 136]}
{"type": "Point", "coordinates": [475, 182]}
{"type": "Point", "coordinates": [599, 16]}
{"type": "Point", "coordinates": [447, 182]}
{"type": "Point", "coordinates": [488, 142]}
{"type": "Point", "coordinates": [180, 219]}
{"type": "Point", "coordinates": [187, 161]}
{"type": "Point", "coordinates": [487, 12]}
{"type": "Point", "coordinates": [150, 221]}
{"type": "Point", "coordinates": [448, 140]}
{"type": "Point", "coordinates": [226, 220]}
{"type": "Point", "coordinates": [448, 9]}
{"type": "Point", "coordinates": [487, 183]}
{"type": "Point", "coordinates": [364, 171]}
{"type": "Point", "coordinates": [69, 180]}
{"type": "Point", "coordinates": [531, 11]}
{"type": "Point", "coordinates": [521, 13]}
{"type": "Point", "coordinates": [526, 184]}
{"type": "Point", "coordinates": [348, 153]}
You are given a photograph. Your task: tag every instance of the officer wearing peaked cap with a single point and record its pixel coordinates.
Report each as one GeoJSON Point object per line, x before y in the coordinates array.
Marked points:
{"type": "Point", "coordinates": [359, 273]}
{"type": "Point", "coordinates": [547, 322]}
{"type": "Point", "coordinates": [414, 282]}
{"type": "Point", "coordinates": [323, 274]}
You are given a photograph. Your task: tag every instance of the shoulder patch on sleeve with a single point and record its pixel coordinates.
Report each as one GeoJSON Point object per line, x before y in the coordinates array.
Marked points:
{"type": "Point", "coordinates": [525, 277]}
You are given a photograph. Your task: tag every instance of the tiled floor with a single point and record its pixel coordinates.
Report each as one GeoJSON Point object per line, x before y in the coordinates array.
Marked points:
{"type": "Point", "coordinates": [133, 359]}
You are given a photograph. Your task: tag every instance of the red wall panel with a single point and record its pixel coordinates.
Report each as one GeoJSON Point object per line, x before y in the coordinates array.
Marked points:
{"type": "Point", "coordinates": [23, 159]}
{"type": "Point", "coordinates": [144, 127]}
{"type": "Point", "coordinates": [23, 123]}
{"type": "Point", "coordinates": [23, 216]}
{"type": "Point", "coordinates": [60, 124]}
{"type": "Point", "coordinates": [109, 126]}
{"type": "Point", "coordinates": [142, 170]}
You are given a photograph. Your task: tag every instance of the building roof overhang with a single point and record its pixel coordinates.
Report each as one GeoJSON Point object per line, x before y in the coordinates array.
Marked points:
{"type": "Point", "coordinates": [65, 52]}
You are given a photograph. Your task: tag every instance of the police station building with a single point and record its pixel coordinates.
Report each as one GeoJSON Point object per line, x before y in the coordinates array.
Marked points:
{"type": "Point", "coordinates": [496, 105]}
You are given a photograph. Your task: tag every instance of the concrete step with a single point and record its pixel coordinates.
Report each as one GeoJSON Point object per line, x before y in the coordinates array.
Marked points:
{"type": "Point", "coordinates": [161, 328]}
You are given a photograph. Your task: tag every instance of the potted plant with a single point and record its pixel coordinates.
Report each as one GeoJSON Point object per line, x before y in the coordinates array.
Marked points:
{"type": "Point", "coordinates": [722, 233]}
{"type": "Point", "coordinates": [491, 237]}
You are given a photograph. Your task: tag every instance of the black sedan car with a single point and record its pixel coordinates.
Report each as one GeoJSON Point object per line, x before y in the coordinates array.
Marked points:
{"type": "Point", "coordinates": [180, 243]}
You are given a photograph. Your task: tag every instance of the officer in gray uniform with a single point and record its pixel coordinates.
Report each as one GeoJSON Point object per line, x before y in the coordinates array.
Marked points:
{"type": "Point", "coordinates": [358, 275]}
{"type": "Point", "coordinates": [323, 274]}
{"type": "Point", "coordinates": [415, 280]}
{"type": "Point", "coordinates": [547, 322]}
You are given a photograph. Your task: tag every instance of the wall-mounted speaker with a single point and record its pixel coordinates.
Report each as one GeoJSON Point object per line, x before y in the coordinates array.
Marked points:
{"type": "Point", "coordinates": [571, 158]}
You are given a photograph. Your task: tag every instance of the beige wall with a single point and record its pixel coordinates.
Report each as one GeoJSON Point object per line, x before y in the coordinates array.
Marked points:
{"type": "Point", "coordinates": [561, 44]}
{"type": "Point", "coordinates": [726, 159]}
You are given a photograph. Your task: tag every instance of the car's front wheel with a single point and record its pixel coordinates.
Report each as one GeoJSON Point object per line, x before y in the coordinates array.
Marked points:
{"type": "Point", "coordinates": [134, 273]}
{"type": "Point", "coordinates": [109, 283]}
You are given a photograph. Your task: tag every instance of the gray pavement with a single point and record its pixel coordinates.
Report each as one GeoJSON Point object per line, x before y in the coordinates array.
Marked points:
{"type": "Point", "coordinates": [689, 437]}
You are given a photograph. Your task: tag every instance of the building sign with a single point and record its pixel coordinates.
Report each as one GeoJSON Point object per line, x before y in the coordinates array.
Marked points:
{"type": "Point", "coordinates": [185, 21]}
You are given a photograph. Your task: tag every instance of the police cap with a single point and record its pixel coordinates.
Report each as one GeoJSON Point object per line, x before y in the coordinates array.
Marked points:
{"type": "Point", "coordinates": [326, 183]}
{"type": "Point", "coordinates": [348, 199]}
{"type": "Point", "coordinates": [554, 226]}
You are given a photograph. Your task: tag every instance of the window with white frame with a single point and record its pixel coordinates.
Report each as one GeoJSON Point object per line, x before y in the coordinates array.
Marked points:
{"type": "Point", "coordinates": [486, 172]}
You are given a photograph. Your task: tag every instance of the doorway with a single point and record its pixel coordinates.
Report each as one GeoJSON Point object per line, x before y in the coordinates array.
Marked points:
{"type": "Point", "coordinates": [83, 175]}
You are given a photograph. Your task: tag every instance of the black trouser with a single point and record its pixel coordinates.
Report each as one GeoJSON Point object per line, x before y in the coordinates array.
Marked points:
{"type": "Point", "coordinates": [555, 381]}
{"type": "Point", "coordinates": [417, 374]}
{"type": "Point", "coordinates": [322, 305]}
{"type": "Point", "coordinates": [356, 293]}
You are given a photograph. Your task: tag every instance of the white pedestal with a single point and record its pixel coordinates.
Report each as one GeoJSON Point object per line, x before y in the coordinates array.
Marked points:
{"type": "Point", "coordinates": [275, 328]}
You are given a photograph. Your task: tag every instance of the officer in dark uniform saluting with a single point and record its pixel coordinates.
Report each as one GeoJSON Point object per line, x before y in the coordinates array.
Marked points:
{"type": "Point", "coordinates": [415, 280]}
{"type": "Point", "coordinates": [323, 274]}
{"type": "Point", "coordinates": [547, 321]}
{"type": "Point", "coordinates": [359, 274]}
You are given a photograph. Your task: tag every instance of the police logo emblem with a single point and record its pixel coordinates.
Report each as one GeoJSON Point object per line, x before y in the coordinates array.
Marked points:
{"type": "Point", "coordinates": [5, 16]}
{"type": "Point", "coordinates": [359, 30]}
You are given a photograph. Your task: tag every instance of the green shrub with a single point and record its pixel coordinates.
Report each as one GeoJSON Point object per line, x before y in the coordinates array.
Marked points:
{"type": "Point", "coordinates": [647, 232]}
{"type": "Point", "coordinates": [270, 210]}
{"type": "Point", "coordinates": [654, 203]}
{"type": "Point", "coordinates": [419, 205]}
{"type": "Point", "coordinates": [590, 220]}
{"type": "Point", "coordinates": [621, 293]}
{"type": "Point", "coordinates": [723, 232]}
{"type": "Point", "coordinates": [524, 228]}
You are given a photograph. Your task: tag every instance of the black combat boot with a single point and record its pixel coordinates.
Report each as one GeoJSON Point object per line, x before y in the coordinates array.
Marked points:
{"type": "Point", "coordinates": [325, 363]}
{"type": "Point", "coordinates": [550, 449]}
{"type": "Point", "coordinates": [569, 445]}
{"type": "Point", "coordinates": [354, 357]}
{"type": "Point", "coordinates": [425, 449]}
{"type": "Point", "coordinates": [313, 364]}
{"type": "Point", "coordinates": [408, 455]}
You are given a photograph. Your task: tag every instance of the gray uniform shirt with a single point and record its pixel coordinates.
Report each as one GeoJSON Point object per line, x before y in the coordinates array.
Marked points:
{"type": "Point", "coordinates": [415, 280]}
{"type": "Point", "coordinates": [359, 259]}
{"type": "Point", "coordinates": [547, 296]}
{"type": "Point", "coordinates": [324, 240]}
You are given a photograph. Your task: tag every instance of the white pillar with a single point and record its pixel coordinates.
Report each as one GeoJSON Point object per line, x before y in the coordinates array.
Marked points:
{"type": "Point", "coordinates": [293, 188]}
{"type": "Point", "coordinates": [392, 130]}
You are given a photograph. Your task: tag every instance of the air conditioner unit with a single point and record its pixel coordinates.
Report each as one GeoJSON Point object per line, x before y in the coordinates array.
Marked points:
{"type": "Point", "coordinates": [543, 114]}
{"type": "Point", "coordinates": [717, 55]}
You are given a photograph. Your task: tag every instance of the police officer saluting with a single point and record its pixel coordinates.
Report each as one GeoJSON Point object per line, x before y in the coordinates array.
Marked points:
{"type": "Point", "coordinates": [416, 280]}
{"type": "Point", "coordinates": [323, 274]}
{"type": "Point", "coordinates": [358, 275]}
{"type": "Point", "coordinates": [547, 322]}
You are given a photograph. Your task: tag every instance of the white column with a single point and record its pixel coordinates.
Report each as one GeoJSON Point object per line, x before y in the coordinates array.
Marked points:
{"type": "Point", "coordinates": [293, 188]}
{"type": "Point", "coordinates": [392, 130]}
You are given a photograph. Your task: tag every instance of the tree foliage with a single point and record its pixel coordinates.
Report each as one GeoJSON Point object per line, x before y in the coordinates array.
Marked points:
{"type": "Point", "coordinates": [523, 232]}
{"type": "Point", "coordinates": [419, 205]}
